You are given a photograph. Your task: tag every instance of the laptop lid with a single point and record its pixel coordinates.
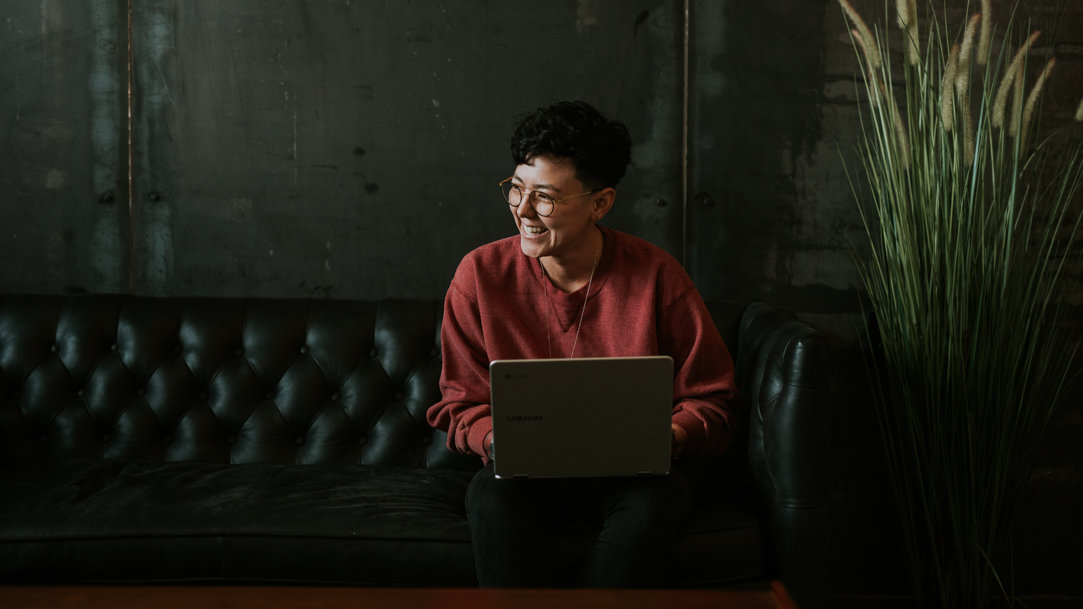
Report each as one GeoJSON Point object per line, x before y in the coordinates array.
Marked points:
{"type": "Point", "coordinates": [586, 417]}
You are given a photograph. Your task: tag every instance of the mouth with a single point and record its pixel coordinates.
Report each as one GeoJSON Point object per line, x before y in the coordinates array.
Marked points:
{"type": "Point", "coordinates": [534, 231]}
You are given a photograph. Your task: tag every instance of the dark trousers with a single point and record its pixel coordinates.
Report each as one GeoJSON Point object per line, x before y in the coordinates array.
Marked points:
{"type": "Point", "coordinates": [513, 524]}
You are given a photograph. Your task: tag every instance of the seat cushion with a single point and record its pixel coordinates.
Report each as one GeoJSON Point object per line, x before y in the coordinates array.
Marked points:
{"type": "Point", "coordinates": [144, 521]}
{"type": "Point", "coordinates": [140, 521]}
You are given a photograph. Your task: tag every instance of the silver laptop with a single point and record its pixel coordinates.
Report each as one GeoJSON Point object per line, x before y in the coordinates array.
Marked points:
{"type": "Point", "coordinates": [572, 418]}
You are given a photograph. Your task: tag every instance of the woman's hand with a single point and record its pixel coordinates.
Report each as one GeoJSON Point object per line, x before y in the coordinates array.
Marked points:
{"type": "Point", "coordinates": [679, 439]}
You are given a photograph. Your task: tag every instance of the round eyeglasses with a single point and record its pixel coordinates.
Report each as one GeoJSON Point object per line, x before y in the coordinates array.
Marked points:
{"type": "Point", "coordinates": [544, 205]}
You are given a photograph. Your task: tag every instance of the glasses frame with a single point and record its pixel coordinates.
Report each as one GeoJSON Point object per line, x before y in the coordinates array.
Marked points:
{"type": "Point", "coordinates": [528, 196]}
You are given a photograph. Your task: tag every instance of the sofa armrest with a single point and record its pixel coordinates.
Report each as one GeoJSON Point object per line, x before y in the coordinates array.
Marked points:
{"type": "Point", "coordinates": [784, 371]}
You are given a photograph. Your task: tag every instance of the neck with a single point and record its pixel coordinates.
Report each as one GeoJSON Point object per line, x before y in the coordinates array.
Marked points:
{"type": "Point", "coordinates": [571, 273]}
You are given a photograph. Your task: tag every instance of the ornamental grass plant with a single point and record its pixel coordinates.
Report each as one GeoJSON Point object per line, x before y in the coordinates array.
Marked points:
{"type": "Point", "coordinates": [972, 215]}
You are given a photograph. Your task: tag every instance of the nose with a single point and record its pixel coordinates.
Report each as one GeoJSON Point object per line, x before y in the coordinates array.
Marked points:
{"type": "Point", "coordinates": [526, 207]}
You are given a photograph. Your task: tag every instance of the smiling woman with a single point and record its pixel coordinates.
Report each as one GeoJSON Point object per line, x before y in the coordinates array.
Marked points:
{"type": "Point", "coordinates": [565, 287]}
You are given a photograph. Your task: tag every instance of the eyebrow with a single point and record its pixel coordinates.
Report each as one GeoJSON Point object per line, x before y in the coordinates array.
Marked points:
{"type": "Point", "coordinates": [548, 187]}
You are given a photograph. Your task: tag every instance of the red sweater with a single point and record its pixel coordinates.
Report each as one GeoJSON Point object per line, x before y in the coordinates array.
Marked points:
{"type": "Point", "coordinates": [500, 305]}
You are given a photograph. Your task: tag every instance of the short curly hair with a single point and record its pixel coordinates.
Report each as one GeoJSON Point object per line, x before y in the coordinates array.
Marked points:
{"type": "Point", "coordinates": [599, 148]}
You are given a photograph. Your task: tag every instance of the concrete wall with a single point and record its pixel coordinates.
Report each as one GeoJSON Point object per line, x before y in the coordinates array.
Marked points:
{"type": "Point", "coordinates": [64, 220]}
{"type": "Point", "coordinates": [348, 148]}
{"type": "Point", "coordinates": [284, 148]}
{"type": "Point", "coordinates": [351, 149]}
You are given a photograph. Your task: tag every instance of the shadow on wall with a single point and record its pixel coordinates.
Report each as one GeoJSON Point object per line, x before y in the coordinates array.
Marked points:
{"type": "Point", "coordinates": [764, 205]}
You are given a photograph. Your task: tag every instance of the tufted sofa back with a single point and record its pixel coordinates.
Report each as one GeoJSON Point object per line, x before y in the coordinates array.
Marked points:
{"type": "Point", "coordinates": [220, 380]}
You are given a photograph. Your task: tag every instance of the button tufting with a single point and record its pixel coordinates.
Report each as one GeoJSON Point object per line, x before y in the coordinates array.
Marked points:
{"type": "Point", "coordinates": [374, 353]}
{"type": "Point", "coordinates": [300, 441]}
{"type": "Point", "coordinates": [304, 350]}
{"type": "Point", "coordinates": [54, 348]}
{"type": "Point", "coordinates": [114, 347]}
{"type": "Point", "coordinates": [400, 396]}
{"type": "Point", "coordinates": [335, 397]}
{"type": "Point", "coordinates": [81, 393]}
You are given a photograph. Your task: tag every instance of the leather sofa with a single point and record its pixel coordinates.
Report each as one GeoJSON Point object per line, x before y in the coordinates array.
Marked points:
{"type": "Point", "coordinates": [275, 440]}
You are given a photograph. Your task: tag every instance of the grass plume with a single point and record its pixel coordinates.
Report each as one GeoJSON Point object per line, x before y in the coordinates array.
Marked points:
{"type": "Point", "coordinates": [1011, 80]}
{"type": "Point", "coordinates": [907, 19]}
{"type": "Point", "coordinates": [868, 41]}
{"type": "Point", "coordinates": [966, 51]}
{"type": "Point", "coordinates": [1032, 101]}
{"type": "Point", "coordinates": [947, 90]}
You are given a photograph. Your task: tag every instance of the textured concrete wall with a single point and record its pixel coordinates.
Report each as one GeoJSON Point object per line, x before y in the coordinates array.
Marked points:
{"type": "Point", "coordinates": [775, 120]}
{"type": "Point", "coordinates": [63, 146]}
{"type": "Point", "coordinates": [351, 148]}
{"type": "Point", "coordinates": [288, 148]}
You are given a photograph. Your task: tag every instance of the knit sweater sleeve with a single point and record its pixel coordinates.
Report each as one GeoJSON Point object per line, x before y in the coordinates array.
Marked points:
{"type": "Point", "coordinates": [706, 405]}
{"type": "Point", "coordinates": [464, 411]}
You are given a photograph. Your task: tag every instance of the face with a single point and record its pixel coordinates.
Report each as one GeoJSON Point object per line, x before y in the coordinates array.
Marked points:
{"type": "Point", "coordinates": [569, 228]}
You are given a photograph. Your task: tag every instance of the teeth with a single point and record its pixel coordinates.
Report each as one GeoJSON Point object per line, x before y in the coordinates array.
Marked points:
{"type": "Point", "coordinates": [535, 230]}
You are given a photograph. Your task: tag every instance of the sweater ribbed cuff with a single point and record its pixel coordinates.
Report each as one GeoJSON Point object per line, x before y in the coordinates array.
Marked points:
{"type": "Point", "coordinates": [475, 439]}
{"type": "Point", "coordinates": [695, 437]}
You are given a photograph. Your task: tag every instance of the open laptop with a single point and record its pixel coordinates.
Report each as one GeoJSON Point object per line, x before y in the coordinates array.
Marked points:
{"type": "Point", "coordinates": [573, 418]}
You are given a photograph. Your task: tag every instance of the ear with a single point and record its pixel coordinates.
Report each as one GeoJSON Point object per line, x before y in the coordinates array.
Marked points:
{"type": "Point", "coordinates": [602, 202]}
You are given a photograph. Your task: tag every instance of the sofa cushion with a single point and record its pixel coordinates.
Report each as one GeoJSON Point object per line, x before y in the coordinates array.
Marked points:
{"type": "Point", "coordinates": [140, 521]}
{"type": "Point", "coordinates": [133, 521]}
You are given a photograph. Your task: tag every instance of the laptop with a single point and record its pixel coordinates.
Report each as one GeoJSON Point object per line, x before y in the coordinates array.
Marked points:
{"type": "Point", "coordinates": [586, 417]}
